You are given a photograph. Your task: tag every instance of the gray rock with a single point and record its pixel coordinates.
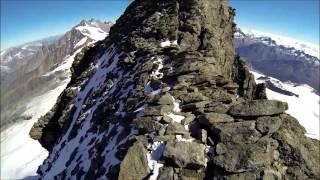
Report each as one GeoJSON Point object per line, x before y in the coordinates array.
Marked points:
{"type": "Point", "coordinates": [186, 154]}
{"type": "Point", "coordinates": [268, 125]}
{"type": "Point", "coordinates": [189, 117]}
{"type": "Point", "coordinates": [194, 106]}
{"type": "Point", "coordinates": [240, 157]}
{"type": "Point", "coordinates": [217, 108]}
{"type": "Point", "coordinates": [146, 125]}
{"type": "Point", "coordinates": [175, 129]}
{"type": "Point", "coordinates": [269, 174]}
{"type": "Point", "coordinates": [258, 108]}
{"type": "Point", "coordinates": [301, 154]}
{"type": "Point", "coordinates": [192, 97]}
{"type": "Point", "coordinates": [159, 110]}
{"type": "Point", "coordinates": [188, 174]}
{"type": "Point", "coordinates": [243, 176]}
{"type": "Point", "coordinates": [209, 119]}
{"type": "Point", "coordinates": [165, 173]}
{"type": "Point", "coordinates": [221, 149]}
{"type": "Point", "coordinates": [135, 163]}
{"type": "Point", "coordinates": [166, 99]}
{"type": "Point", "coordinates": [244, 132]}
{"type": "Point", "coordinates": [220, 96]}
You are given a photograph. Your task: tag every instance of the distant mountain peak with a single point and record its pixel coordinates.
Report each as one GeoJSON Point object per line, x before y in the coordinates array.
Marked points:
{"type": "Point", "coordinates": [274, 39]}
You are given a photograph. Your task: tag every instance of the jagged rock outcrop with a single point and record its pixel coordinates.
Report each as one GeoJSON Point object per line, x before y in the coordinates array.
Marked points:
{"type": "Point", "coordinates": [167, 89]}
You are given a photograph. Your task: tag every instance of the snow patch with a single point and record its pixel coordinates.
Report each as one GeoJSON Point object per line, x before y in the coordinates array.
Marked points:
{"type": "Point", "coordinates": [157, 74]}
{"type": "Point", "coordinates": [21, 154]}
{"type": "Point", "coordinates": [176, 118]}
{"type": "Point", "coordinates": [81, 42]}
{"type": "Point", "coordinates": [180, 138]}
{"type": "Point", "coordinates": [168, 43]}
{"type": "Point", "coordinates": [153, 156]}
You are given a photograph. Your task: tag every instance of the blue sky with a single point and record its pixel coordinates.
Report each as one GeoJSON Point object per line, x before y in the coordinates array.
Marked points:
{"type": "Point", "coordinates": [293, 18]}
{"type": "Point", "coordinates": [24, 21]}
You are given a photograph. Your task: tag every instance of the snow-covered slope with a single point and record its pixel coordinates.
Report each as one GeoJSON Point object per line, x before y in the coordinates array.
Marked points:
{"type": "Point", "coordinates": [20, 155]}
{"type": "Point", "coordinates": [303, 102]}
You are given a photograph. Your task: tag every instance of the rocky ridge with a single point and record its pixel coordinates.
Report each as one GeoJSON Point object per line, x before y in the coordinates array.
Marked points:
{"type": "Point", "coordinates": [166, 97]}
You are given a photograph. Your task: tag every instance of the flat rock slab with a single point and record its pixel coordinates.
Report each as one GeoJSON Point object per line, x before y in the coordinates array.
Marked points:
{"type": "Point", "coordinates": [209, 119]}
{"type": "Point", "coordinates": [176, 129]}
{"type": "Point", "coordinates": [258, 108]}
{"type": "Point", "coordinates": [186, 154]}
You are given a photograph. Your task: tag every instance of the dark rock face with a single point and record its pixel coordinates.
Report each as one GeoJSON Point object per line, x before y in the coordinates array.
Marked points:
{"type": "Point", "coordinates": [167, 83]}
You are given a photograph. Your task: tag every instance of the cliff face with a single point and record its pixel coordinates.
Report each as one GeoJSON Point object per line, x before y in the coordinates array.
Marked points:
{"type": "Point", "coordinates": [166, 97]}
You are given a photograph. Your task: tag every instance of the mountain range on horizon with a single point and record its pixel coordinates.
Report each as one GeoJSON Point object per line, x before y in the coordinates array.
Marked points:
{"type": "Point", "coordinates": [125, 100]}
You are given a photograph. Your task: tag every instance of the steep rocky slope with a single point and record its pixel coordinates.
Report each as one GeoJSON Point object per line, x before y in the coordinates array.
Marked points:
{"type": "Point", "coordinates": [32, 69]}
{"type": "Point", "coordinates": [166, 97]}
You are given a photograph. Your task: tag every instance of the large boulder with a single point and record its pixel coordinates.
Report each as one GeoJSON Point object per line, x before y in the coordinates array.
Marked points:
{"type": "Point", "coordinates": [135, 163]}
{"type": "Point", "coordinates": [258, 108]}
{"type": "Point", "coordinates": [186, 154]}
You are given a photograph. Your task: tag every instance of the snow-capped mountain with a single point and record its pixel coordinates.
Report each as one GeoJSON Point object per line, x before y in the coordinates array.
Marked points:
{"type": "Point", "coordinates": [26, 67]}
{"type": "Point", "coordinates": [297, 47]}
{"type": "Point", "coordinates": [302, 99]}
{"type": "Point", "coordinates": [283, 58]}
{"type": "Point", "coordinates": [42, 70]}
